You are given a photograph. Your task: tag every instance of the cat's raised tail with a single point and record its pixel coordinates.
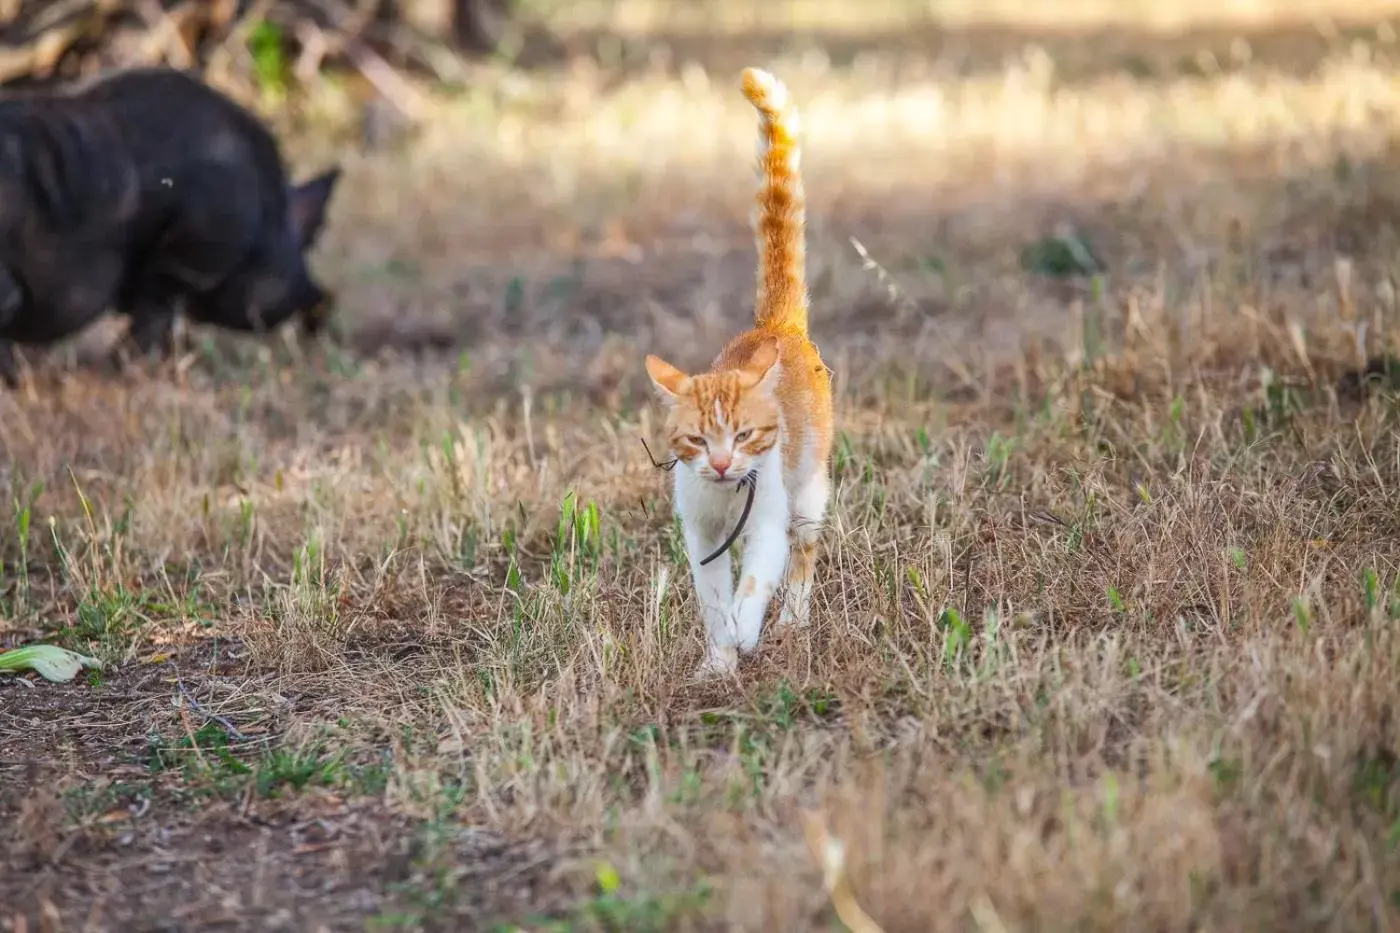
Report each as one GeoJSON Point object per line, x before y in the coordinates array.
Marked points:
{"type": "Point", "coordinates": [780, 209]}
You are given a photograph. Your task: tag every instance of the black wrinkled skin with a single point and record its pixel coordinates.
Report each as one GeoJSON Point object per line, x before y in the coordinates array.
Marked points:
{"type": "Point", "coordinates": [149, 193]}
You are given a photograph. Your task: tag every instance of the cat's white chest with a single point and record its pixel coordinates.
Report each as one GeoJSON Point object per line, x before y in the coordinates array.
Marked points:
{"type": "Point", "coordinates": [711, 506]}
{"type": "Point", "coordinates": [717, 507]}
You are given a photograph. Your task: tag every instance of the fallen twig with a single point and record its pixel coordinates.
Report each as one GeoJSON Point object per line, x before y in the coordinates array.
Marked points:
{"type": "Point", "coordinates": [229, 727]}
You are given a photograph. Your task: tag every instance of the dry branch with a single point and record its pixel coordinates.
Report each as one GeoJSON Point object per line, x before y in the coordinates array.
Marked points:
{"type": "Point", "coordinates": [41, 40]}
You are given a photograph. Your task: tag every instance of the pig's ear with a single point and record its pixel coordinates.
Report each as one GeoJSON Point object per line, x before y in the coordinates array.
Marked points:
{"type": "Point", "coordinates": [308, 206]}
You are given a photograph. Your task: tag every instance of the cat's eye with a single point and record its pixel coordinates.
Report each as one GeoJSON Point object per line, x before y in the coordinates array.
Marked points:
{"type": "Point", "coordinates": [743, 436]}
{"type": "Point", "coordinates": [695, 441]}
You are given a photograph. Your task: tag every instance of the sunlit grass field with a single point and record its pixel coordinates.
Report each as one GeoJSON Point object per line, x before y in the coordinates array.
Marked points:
{"type": "Point", "coordinates": [397, 629]}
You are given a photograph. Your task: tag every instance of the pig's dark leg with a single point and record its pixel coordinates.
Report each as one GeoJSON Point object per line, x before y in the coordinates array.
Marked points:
{"type": "Point", "coordinates": [152, 331]}
{"type": "Point", "coordinates": [11, 297]}
{"type": "Point", "coordinates": [9, 367]}
{"type": "Point", "coordinates": [150, 301]}
{"type": "Point", "coordinates": [11, 303]}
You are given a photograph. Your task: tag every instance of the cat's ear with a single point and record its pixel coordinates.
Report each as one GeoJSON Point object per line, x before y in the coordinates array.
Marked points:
{"type": "Point", "coordinates": [308, 206]}
{"type": "Point", "coordinates": [763, 366]}
{"type": "Point", "coordinates": [669, 380]}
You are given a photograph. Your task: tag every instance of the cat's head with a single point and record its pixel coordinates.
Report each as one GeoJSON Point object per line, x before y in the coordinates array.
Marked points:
{"type": "Point", "coordinates": [721, 425]}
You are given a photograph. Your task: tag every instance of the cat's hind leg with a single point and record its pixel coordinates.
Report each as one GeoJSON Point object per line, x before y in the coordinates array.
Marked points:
{"type": "Point", "coordinates": [808, 518]}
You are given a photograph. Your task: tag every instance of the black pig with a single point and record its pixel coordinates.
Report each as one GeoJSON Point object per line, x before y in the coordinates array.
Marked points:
{"type": "Point", "coordinates": [148, 192]}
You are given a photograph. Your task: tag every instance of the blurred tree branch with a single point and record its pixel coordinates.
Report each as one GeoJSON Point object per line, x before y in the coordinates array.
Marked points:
{"type": "Point", "coordinates": [41, 40]}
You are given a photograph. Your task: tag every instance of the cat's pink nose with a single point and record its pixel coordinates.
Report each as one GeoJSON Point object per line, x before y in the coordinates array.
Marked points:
{"type": "Point", "coordinates": [720, 465]}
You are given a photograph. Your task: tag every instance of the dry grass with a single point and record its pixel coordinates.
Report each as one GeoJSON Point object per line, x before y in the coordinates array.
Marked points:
{"type": "Point", "coordinates": [1105, 634]}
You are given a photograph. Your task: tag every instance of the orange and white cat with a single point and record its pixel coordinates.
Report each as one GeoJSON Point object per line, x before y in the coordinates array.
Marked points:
{"type": "Point", "coordinates": [762, 412]}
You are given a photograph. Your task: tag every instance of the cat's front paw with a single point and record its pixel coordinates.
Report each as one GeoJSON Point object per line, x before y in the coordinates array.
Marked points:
{"type": "Point", "coordinates": [748, 623]}
{"type": "Point", "coordinates": [719, 662]}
